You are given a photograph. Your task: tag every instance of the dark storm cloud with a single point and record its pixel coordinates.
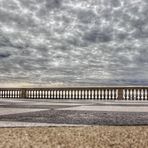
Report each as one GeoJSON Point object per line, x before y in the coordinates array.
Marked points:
{"type": "Point", "coordinates": [4, 55]}
{"type": "Point", "coordinates": [95, 36]}
{"type": "Point", "coordinates": [51, 4]}
{"type": "Point", "coordinates": [74, 41]}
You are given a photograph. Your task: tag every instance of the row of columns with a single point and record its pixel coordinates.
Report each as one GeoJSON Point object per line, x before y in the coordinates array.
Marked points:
{"type": "Point", "coordinates": [10, 94]}
{"type": "Point", "coordinates": [108, 94]}
{"type": "Point", "coordinates": [73, 94]}
{"type": "Point", "coordinates": [135, 94]}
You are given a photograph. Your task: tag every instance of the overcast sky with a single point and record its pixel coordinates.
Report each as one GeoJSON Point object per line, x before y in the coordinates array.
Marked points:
{"type": "Point", "coordinates": [74, 42]}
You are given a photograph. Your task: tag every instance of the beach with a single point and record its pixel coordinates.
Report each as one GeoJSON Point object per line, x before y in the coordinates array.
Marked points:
{"type": "Point", "coordinates": [75, 137]}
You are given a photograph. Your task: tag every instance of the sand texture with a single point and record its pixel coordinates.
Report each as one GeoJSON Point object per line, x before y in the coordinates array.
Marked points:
{"type": "Point", "coordinates": [75, 137]}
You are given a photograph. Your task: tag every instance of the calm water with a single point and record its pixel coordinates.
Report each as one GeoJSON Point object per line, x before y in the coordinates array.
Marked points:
{"type": "Point", "coordinates": [74, 42]}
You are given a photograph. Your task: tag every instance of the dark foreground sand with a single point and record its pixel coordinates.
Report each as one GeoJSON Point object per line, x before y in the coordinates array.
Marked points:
{"type": "Point", "coordinates": [75, 137]}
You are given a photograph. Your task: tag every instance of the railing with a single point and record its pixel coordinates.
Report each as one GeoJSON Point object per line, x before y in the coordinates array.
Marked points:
{"type": "Point", "coordinates": [86, 93]}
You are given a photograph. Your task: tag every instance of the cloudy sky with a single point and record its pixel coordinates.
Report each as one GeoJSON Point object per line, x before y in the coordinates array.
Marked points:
{"type": "Point", "coordinates": [74, 42]}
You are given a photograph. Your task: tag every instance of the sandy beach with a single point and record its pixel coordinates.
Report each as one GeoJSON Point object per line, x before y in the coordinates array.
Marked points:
{"type": "Point", "coordinates": [75, 137]}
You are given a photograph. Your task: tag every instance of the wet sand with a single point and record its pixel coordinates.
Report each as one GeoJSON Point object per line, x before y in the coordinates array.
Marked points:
{"type": "Point", "coordinates": [75, 137]}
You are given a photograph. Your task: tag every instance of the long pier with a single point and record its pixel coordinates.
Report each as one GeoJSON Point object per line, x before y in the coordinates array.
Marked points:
{"type": "Point", "coordinates": [85, 93]}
